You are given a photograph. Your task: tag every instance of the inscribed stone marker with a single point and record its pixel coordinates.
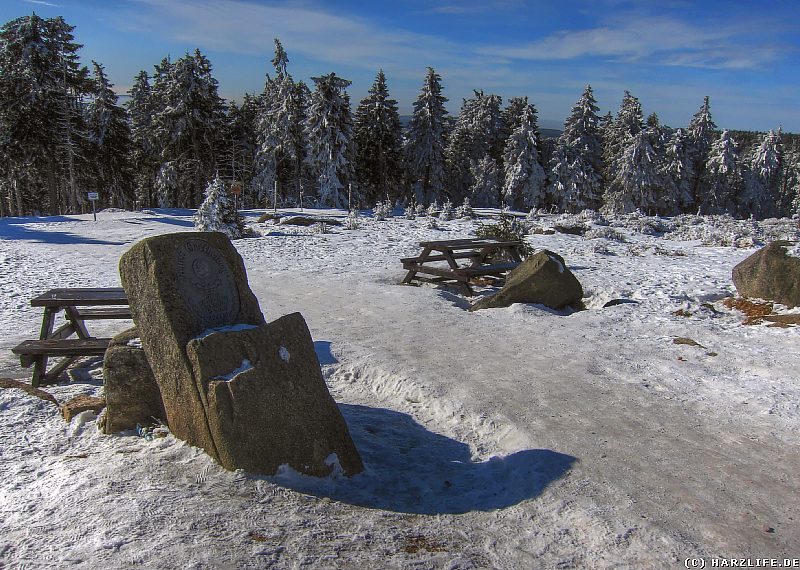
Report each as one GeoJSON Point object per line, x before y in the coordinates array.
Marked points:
{"type": "Point", "coordinates": [206, 283]}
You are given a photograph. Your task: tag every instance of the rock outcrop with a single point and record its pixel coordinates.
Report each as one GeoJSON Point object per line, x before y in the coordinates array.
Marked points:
{"type": "Point", "coordinates": [250, 394]}
{"type": "Point", "coordinates": [770, 274]}
{"type": "Point", "coordinates": [542, 278]}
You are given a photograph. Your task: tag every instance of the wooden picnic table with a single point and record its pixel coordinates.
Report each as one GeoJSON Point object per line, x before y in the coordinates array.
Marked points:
{"type": "Point", "coordinates": [485, 257]}
{"type": "Point", "coordinates": [79, 305]}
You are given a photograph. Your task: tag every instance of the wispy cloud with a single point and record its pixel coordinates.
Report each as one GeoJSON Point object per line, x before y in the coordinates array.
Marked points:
{"type": "Point", "coordinates": [456, 9]}
{"type": "Point", "coordinates": [242, 27]}
{"type": "Point", "coordinates": [663, 40]}
{"type": "Point", "coordinates": [42, 3]}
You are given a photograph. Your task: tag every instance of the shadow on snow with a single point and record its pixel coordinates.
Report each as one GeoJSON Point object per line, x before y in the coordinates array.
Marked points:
{"type": "Point", "coordinates": [413, 470]}
{"type": "Point", "coordinates": [18, 229]}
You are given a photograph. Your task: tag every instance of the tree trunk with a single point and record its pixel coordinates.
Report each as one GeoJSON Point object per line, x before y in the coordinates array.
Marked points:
{"type": "Point", "coordinates": [52, 188]}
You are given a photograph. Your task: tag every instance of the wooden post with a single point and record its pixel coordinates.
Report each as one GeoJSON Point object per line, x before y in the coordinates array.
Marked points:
{"type": "Point", "coordinates": [275, 197]}
{"type": "Point", "coordinates": [301, 196]}
{"type": "Point", "coordinates": [349, 196]}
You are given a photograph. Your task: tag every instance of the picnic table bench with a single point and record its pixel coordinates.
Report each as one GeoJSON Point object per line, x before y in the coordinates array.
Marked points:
{"type": "Point", "coordinates": [486, 257]}
{"type": "Point", "coordinates": [79, 305]}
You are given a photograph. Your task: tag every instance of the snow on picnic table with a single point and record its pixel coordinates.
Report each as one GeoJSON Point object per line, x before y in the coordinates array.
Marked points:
{"type": "Point", "coordinates": [507, 438]}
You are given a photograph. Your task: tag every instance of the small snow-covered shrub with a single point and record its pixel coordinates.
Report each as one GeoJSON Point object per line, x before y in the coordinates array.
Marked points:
{"type": "Point", "coordinates": [410, 212]}
{"type": "Point", "coordinates": [218, 212]}
{"type": "Point", "coordinates": [464, 211]}
{"type": "Point", "coordinates": [592, 217]}
{"type": "Point", "coordinates": [658, 250]}
{"type": "Point", "coordinates": [382, 211]}
{"type": "Point", "coordinates": [353, 221]}
{"type": "Point", "coordinates": [718, 231]}
{"type": "Point", "coordinates": [605, 232]}
{"type": "Point", "coordinates": [447, 212]}
{"type": "Point", "coordinates": [430, 223]}
{"type": "Point", "coordinates": [600, 248]}
{"type": "Point", "coordinates": [637, 249]}
{"type": "Point", "coordinates": [433, 209]}
{"type": "Point", "coordinates": [640, 223]}
{"type": "Point", "coordinates": [420, 210]}
{"type": "Point", "coordinates": [507, 228]}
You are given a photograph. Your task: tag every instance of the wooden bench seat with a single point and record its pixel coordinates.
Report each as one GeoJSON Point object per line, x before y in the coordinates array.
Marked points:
{"type": "Point", "coordinates": [62, 347]}
{"type": "Point", "coordinates": [36, 353]}
{"type": "Point", "coordinates": [103, 313]}
{"type": "Point", "coordinates": [486, 269]}
{"type": "Point", "coordinates": [440, 257]}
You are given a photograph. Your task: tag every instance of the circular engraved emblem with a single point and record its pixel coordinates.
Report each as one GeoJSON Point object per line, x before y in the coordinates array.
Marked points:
{"type": "Point", "coordinates": [206, 283]}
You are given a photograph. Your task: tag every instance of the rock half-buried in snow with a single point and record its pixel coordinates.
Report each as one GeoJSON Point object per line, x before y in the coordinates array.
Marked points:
{"type": "Point", "coordinates": [542, 278]}
{"type": "Point", "coordinates": [771, 273]}
{"type": "Point", "coordinates": [250, 394]}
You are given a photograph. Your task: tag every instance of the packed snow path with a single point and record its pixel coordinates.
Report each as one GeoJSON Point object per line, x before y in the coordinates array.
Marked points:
{"type": "Point", "coordinates": [510, 438]}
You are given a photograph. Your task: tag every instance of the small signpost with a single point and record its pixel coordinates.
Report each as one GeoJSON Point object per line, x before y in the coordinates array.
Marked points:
{"type": "Point", "coordinates": [93, 198]}
{"type": "Point", "coordinates": [236, 190]}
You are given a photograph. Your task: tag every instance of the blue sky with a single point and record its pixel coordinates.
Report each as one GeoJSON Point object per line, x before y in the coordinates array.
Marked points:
{"type": "Point", "coordinates": [744, 55]}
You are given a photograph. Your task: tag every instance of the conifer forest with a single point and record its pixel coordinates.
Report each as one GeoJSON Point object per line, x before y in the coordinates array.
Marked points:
{"type": "Point", "coordinates": [64, 132]}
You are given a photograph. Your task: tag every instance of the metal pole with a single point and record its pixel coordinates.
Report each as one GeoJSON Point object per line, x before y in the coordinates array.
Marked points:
{"type": "Point", "coordinates": [349, 196]}
{"type": "Point", "coordinates": [94, 211]}
{"type": "Point", "coordinates": [275, 198]}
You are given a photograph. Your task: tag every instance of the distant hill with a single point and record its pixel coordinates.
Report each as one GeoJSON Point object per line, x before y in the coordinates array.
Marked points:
{"type": "Point", "coordinates": [550, 133]}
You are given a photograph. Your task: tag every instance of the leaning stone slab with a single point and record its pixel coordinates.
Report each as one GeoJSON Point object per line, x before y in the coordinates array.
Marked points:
{"type": "Point", "coordinates": [200, 325]}
{"type": "Point", "coordinates": [131, 391]}
{"type": "Point", "coordinates": [179, 285]}
{"type": "Point", "coordinates": [542, 278]}
{"type": "Point", "coordinates": [770, 274]}
{"type": "Point", "coordinates": [270, 375]}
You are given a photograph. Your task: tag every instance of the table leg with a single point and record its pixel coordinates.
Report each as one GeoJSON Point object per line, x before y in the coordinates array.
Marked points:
{"type": "Point", "coordinates": [420, 260]}
{"type": "Point", "coordinates": [77, 323]}
{"type": "Point", "coordinates": [39, 370]}
{"type": "Point", "coordinates": [40, 362]}
{"type": "Point", "coordinates": [52, 376]}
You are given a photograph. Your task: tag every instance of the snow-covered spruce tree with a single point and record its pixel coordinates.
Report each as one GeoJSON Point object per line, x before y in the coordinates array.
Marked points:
{"type": "Point", "coordinates": [486, 183]}
{"type": "Point", "coordinates": [188, 119]}
{"type": "Point", "coordinates": [678, 175]}
{"type": "Point", "coordinates": [638, 177]}
{"type": "Point", "coordinates": [238, 148]}
{"type": "Point", "coordinates": [628, 123]}
{"type": "Point", "coordinates": [790, 182]}
{"type": "Point", "coordinates": [43, 142]}
{"type": "Point", "coordinates": [329, 132]}
{"type": "Point", "coordinates": [426, 137]}
{"type": "Point", "coordinates": [218, 212]}
{"type": "Point", "coordinates": [576, 169]}
{"type": "Point", "coordinates": [280, 133]}
{"type": "Point", "coordinates": [166, 185]}
{"type": "Point", "coordinates": [524, 184]}
{"type": "Point", "coordinates": [702, 133]}
{"type": "Point", "coordinates": [475, 136]}
{"type": "Point", "coordinates": [511, 118]}
{"type": "Point", "coordinates": [110, 135]}
{"type": "Point", "coordinates": [378, 143]}
{"type": "Point", "coordinates": [723, 177]}
{"type": "Point", "coordinates": [145, 156]}
{"type": "Point", "coordinates": [762, 178]}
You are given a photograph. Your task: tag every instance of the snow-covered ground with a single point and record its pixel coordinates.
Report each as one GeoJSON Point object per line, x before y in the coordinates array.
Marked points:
{"type": "Point", "coordinates": [505, 438]}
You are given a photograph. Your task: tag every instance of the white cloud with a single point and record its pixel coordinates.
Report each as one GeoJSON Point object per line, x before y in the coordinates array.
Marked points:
{"type": "Point", "coordinates": [42, 3]}
{"type": "Point", "coordinates": [242, 27]}
{"type": "Point", "coordinates": [661, 40]}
